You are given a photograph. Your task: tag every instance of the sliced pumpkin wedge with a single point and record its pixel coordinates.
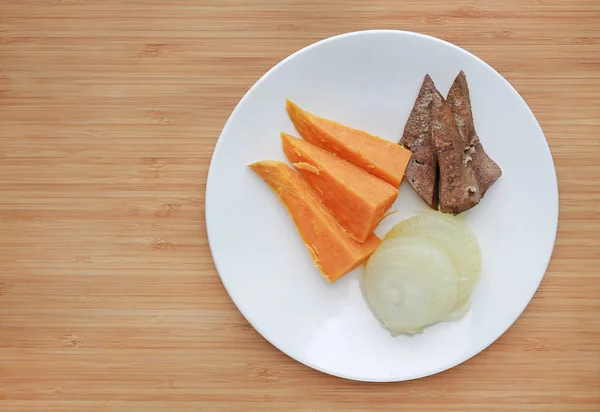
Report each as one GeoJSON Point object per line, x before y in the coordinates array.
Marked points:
{"type": "Point", "coordinates": [377, 156]}
{"type": "Point", "coordinates": [333, 251]}
{"type": "Point", "coordinates": [356, 198]}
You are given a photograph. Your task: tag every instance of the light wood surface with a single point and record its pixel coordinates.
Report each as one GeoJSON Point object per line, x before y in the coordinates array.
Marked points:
{"type": "Point", "coordinates": [109, 112]}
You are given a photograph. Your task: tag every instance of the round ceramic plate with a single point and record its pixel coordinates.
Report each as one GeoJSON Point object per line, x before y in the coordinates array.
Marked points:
{"type": "Point", "coordinates": [369, 80]}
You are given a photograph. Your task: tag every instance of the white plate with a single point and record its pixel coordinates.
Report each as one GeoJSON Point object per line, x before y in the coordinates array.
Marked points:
{"type": "Point", "coordinates": [369, 80]}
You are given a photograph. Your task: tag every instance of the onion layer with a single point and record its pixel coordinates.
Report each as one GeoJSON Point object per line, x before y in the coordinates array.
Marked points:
{"type": "Point", "coordinates": [423, 273]}
{"type": "Point", "coordinates": [410, 283]}
{"type": "Point", "coordinates": [454, 236]}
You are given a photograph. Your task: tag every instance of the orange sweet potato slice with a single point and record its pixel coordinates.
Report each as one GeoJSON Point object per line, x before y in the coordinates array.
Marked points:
{"type": "Point", "coordinates": [332, 250]}
{"type": "Point", "coordinates": [357, 199]}
{"type": "Point", "coordinates": [377, 156]}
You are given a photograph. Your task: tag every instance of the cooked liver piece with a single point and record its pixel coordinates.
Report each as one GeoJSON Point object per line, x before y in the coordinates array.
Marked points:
{"type": "Point", "coordinates": [422, 170]}
{"type": "Point", "coordinates": [485, 169]}
{"type": "Point", "coordinates": [458, 188]}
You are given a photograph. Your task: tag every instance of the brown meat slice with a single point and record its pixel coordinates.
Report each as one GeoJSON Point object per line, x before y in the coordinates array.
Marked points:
{"type": "Point", "coordinates": [458, 188]}
{"type": "Point", "coordinates": [485, 169]}
{"type": "Point", "coordinates": [422, 170]}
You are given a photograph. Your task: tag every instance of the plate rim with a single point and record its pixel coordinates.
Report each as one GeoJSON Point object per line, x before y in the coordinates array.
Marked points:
{"type": "Point", "coordinates": [257, 83]}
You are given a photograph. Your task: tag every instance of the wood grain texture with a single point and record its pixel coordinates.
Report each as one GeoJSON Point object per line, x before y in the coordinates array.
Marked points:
{"type": "Point", "coordinates": [109, 112]}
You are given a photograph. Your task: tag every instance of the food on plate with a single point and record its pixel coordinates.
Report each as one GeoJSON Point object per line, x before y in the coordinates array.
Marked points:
{"type": "Point", "coordinates": [422, 170]}
{"type": "Point", "coordinates": [449, 168]}
{"type": "Point", "coordinates": [377, 156]}
{"type": "Point", "coordinates": [357, 199]}
{"type": "Point", "coordinates": [422, 273]}
{"type": "Point", "coordinates": [427, 266]}
{"type": "Point", "coordinates": [485, 169]}
{"type": "Point", "coordinates": [332, 250]}
{"type": "Point", "coordinates": [458, 188]}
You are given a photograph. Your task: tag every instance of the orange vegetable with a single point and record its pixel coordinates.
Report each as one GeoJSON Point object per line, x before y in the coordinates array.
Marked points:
{"type": "Point", "coordinates": [332, 250]}
{"type": "Point", "coordinates": [379, 157]}
{"type": "Point", "coordinates": [357, 199]}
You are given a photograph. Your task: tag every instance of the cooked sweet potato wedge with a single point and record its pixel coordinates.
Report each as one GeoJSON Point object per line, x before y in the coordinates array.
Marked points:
{"type": "Point", "coordinates": [357, 199]}
{"type": "Point", "coordinates": [375, 155]}
{"type": "Point", "coordinates": [333, 251]}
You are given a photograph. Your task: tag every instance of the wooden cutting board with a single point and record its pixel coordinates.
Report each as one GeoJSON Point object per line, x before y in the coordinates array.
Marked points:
{"type": "Point", "coordinates": [109, 112]}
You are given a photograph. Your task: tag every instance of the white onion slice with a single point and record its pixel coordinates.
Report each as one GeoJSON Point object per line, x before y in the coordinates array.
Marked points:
{"type": "Point", "coordinates": [410, 283]}
{"type": "Point", "coordinates": [454, 236]}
